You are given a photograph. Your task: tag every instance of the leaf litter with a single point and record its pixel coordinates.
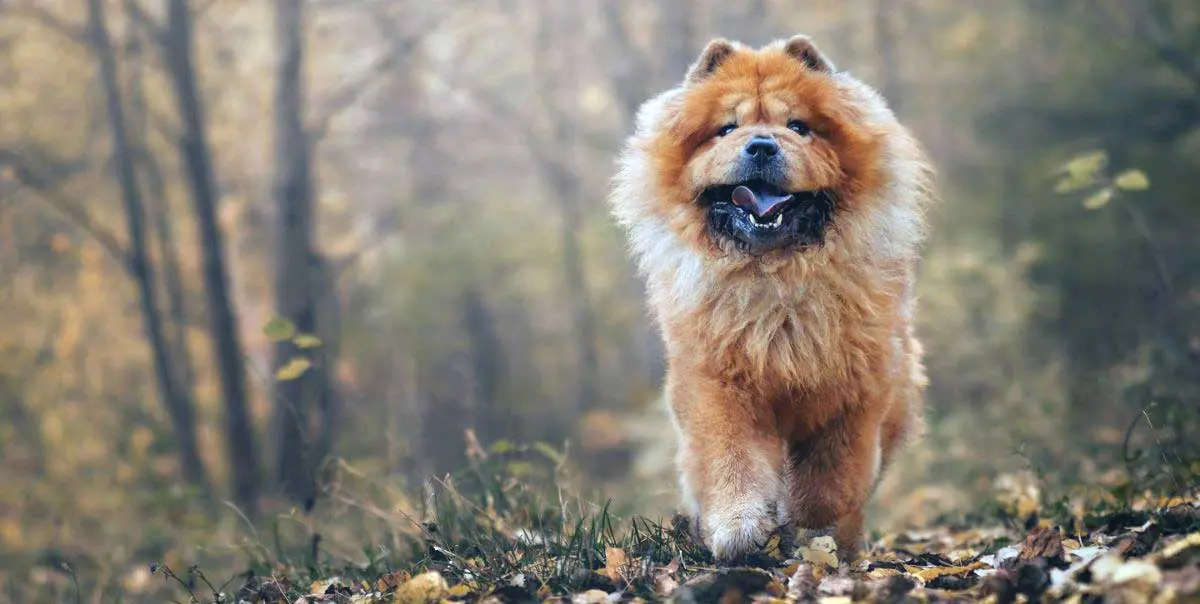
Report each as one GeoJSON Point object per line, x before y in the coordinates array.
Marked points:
{"type": "Point", "coordinates": [1119, 557]}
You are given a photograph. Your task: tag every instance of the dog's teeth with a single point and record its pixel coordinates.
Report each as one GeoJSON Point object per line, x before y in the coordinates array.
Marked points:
{"type": "Point", "coordinates": [778, 220]}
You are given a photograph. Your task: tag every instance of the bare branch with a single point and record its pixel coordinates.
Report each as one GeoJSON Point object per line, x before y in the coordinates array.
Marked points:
{"type": "Point", "coordinates": [83, 221]}
{"type": "Point", "coordinates": [41, 177]}
{"type": "Point", "coordinates": [349, 93]}
{"type": "Point", "coordinates": [1149, 22]}
{"type": "Point", "coordinates": [400, 46]}
{"type": "Point", "coordinates": [142, 19]}
{"type": "Point", "coordinates": [76, 33]}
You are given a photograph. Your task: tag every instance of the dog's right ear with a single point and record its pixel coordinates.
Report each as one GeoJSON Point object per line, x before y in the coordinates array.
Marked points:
{"type": "Point", "coordinates": [713, 56]}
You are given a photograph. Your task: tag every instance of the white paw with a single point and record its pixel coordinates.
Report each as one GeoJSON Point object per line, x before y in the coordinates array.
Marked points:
{"type": "Point", "coordinates": [736, 530]}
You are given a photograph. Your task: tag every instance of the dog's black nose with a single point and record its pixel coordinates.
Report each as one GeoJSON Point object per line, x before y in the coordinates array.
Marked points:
{"type": "Point", "coordinates": [761, 147]}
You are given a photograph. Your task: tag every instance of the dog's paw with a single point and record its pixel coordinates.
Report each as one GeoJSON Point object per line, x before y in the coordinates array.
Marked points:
{"type": "Point", "coordinates": [735, 531]}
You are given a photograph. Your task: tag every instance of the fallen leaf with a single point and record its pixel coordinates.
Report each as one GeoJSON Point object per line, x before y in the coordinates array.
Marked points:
{"type": "Point", "coordinates": [882, 573]}
{"type": "Point", "coordinates": [1176, 554]}
{"type": "Point", "coordinates": [421, 589]}
{"type": "Point", "coordinates": [929, 574]}
{"type": "Point", "coordinates": [1042, 543]}
{"type": "Point", "coordinates": [821, 551]}
{"type": "Point", "coordinates": [1141, 575]}
{"type": "Point", "coordinates": [458, 591]}
{"type": "Point", "coordinates": [824, 543]}
{"type": "Point", "coordinates": [391, 581]}
{"type": "Point", "coordinates": [615, 560]}
{"type": "Point", "coordinates": [591, 596]}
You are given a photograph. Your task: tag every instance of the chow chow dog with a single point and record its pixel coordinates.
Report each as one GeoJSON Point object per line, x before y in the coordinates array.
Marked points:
{"type": "Point", "coordinates": [775, 207]}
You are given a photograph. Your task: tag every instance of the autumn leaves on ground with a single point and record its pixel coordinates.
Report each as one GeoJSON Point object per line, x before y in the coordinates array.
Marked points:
{"type": "Point", "coordinates": [490, 535]}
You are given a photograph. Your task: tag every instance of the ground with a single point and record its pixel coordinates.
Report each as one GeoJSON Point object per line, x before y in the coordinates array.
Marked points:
{"type": "Point", "coordinates": [491, 537]}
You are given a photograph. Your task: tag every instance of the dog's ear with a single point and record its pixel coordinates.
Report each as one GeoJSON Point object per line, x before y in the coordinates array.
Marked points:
{"type": "Point", "coordinates": [802, 49]}
{"type": "Point", "coordinates": [717, 51]}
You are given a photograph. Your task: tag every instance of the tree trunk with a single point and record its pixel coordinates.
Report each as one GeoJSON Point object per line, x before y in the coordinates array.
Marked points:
{"type": "Point", "coordinates": [196, 158]}
{"type": "Point", "coordinates": [487, 364]}
{"type": "Point", "coordinates": [159, 209]}
{"type": "Point", "coordinates": [177, 403]}
{"type": "Point", "coordinates": [295, 257]}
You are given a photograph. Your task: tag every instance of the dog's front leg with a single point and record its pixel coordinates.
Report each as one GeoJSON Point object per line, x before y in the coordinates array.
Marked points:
{"type": "Point", "coordinates": [731, 463]}
{"type": "Point", "coordinates": [831, 476]}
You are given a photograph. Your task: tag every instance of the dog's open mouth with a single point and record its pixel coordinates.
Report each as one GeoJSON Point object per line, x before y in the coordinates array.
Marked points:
{"type": "Point", "coordinates": [759, 217]}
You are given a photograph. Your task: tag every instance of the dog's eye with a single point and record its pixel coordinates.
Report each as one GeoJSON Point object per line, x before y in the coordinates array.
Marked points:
{"type": "Point", "coordinates": [799, 127]}
{"type": "Point", "coordinates": [726, 129]}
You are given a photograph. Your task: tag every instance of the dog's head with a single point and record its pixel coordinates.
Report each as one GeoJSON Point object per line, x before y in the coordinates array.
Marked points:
{"type": "Point", "coordinates": [761, 151]}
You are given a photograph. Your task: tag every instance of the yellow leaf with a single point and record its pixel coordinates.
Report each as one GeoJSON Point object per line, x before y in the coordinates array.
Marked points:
{"type": "Point", "coordinates": [421, 589]}
{"type": "Point", "coordinates": [824, 543]}
{"type": "Point", "coordinates": [929, 574]}
{"type": "Point", "coordinates": [306, 340]}
{"type": "Point", "coordinates": [279, 329]}
{"type": "Point", "coordinates": [1099, 199]}
{"type": "Point", "coordinates": [1071, 183]}
{"type": "Point", "coordinates": [293, 369]}
{"type": "Point", "coordinates": [772, 547]}
{"type": "Point", "coordinates": [1132, 180]}
{"type": "Point", "coordinates": [1086, 165]}
{"type": "Point", "coordinates": [458, 591]}
{"type": "Point", "coordinates": [821, 553]}
{"type": "Point", "coordinates": [883, 573]}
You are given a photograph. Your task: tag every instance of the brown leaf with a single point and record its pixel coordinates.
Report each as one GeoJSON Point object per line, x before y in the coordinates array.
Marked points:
{"type": "Point", "coordinates": [1042, 542]}
{"type": "Point", "coordinates": [615, 560]}
{"type": "Point", "coordinates": [391, 581]}
{"type": "Point", "coordinates": [665, 580]}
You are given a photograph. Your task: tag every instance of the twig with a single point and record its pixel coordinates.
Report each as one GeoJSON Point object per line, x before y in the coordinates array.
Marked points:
{"type": "Point", "coordinates": [77, 33]}
{"type": "Point", "coordinates": [81, 219]}
{"type": "Point", "coordinates": [349, 93]}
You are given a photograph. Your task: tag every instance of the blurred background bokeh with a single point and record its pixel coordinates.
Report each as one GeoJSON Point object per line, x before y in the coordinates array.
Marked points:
{"type": "Point", "coordinates": [276, 263]}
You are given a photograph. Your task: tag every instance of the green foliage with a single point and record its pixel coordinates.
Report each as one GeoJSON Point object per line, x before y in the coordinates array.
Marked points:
{"type": "Point", "coordinates": [279, 329]}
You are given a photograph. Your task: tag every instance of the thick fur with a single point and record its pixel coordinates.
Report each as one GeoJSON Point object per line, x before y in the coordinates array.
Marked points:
{"type": "Point", "coordinates": [793, 375]}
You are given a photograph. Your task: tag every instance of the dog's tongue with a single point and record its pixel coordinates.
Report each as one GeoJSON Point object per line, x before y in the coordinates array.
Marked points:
{"type": "Point", "coordinates": [762, 205]}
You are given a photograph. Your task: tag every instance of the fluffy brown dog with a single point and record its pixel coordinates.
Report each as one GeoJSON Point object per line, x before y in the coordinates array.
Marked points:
{"type": "Point", "coordinates": [775, 207]}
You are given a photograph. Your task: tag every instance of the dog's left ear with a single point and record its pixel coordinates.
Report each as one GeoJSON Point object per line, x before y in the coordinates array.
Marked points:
{"type": "Point", "coordinates": [801, 48]}
{"type": "Point", "coordinates": [715, 53]}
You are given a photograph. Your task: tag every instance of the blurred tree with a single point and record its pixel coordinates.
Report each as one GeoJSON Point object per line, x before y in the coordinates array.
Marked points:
{"type": "Point", "coordinates": [177, 41]}
{"type": "Point", "coordinates": [176, 399]}
{"type": "Point", "coordinates": [296, 256]}
{"type": "Point", "coordinates": [158, 207]}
